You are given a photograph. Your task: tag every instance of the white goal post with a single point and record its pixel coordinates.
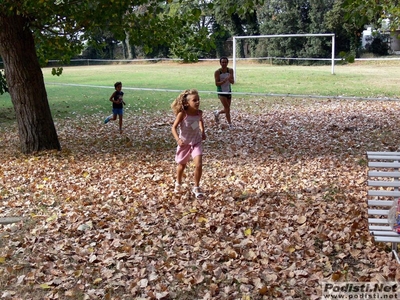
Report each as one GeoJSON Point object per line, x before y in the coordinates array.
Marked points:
{"type": "Point", "coordinates": [285, 35]}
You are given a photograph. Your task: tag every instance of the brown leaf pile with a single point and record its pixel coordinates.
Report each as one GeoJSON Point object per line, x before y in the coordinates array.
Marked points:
{"type": "Point", "coordinates": [285, 207]}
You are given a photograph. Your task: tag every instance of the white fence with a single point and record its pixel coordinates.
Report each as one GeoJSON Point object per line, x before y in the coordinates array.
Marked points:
{"type": "Point", "coordinates": [92, 62]}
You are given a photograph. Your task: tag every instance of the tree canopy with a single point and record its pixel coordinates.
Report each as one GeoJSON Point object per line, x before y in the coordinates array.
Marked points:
{"type": "Point", "coordinates": [362, 12]}
{"type": "Point", "coordinates": [32, 32]}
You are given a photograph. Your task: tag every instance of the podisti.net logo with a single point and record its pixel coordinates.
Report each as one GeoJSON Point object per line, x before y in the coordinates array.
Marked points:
{"type": "Point", "coordinates": [360, 290]}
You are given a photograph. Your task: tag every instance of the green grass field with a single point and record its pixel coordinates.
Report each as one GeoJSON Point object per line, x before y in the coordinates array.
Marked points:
{"type": "Point", "coordinates": [370, 79]}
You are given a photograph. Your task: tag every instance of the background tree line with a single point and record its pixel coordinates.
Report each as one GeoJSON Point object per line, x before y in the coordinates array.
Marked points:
{"type": "Point", "coordinates": [206, 28]}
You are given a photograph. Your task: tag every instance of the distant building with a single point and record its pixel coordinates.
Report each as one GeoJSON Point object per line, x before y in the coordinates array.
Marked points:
{"type": "Point", "coordinates": [367, 37]}
{"type": "Point", "coordinates": [395, 44]}
{"type": "Point", "coordinates": [393, 37]}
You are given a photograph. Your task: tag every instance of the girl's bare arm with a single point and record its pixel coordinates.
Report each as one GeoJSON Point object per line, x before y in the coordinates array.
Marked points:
{"type": "Point", "coordinates": [174, 129]}
{"type": "Point", "coordinates": [201, 126]}
{"type": "Point", "coordinates": [231, 77]}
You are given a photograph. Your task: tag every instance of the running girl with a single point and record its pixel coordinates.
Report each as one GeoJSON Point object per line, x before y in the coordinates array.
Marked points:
{"type": "Point", "coordinates": [189, 119]}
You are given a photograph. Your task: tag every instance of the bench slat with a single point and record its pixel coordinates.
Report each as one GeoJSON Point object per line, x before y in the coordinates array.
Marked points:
{"type": "Point", "coordinates": [379, 228]}
{"type": "Point", "coordinates": [378, 221]}
{"type": "Point", "coordinates": [384, 193]}
{"type": "Point", "coordinates": [378, 164]}
{"type": "Point", "coordinates": [382, 212]}
{"type": "Point", "coordinates": [385, 233]}
{"type": "Point", "coordinates": [384, 157]}
{"type": "Point", "coordinates": [371, 153]}
{"type": "Point", "coordinates": [384, 183]}
{"type": "Point", "coordinates": [380, 203]}
{"type": "Point", "coordinates": [383, 174]}
{"type": "Point", "coordinates": [387, 239]}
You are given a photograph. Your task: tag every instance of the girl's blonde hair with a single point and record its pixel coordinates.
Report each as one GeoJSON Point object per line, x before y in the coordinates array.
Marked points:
{"type": "Point", "coordinates": [181, 102]}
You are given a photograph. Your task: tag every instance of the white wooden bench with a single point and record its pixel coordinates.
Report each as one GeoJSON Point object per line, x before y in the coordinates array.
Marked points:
{"type": "Point", "coordinates": [383, 190]}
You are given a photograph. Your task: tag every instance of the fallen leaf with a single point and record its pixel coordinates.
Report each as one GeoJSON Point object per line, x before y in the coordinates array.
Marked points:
{"type": "Point", "coordinates": [45, 286]}
{"type": "Point", "coordinates": [301, 219]}
{"type": "Point", "coordinates": [247, 232]}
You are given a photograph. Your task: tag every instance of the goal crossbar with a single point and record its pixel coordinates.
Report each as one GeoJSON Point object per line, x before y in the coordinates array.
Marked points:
{"type": "Point", "coordinates": [285, 35]}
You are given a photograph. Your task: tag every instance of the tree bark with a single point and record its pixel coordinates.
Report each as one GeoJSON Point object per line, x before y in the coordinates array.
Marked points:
{"type": "Point", "coordinates": [26, 86]}
{"type": "Point", "coordinates": [238, 30]}
{"type": "Point", "coordinates": [128, 46]}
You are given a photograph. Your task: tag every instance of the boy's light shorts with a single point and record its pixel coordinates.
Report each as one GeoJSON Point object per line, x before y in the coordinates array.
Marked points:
{"type": "Point", "coordinates": [118, 111]}
{"type": "Point", "coordinates": [184, 153]}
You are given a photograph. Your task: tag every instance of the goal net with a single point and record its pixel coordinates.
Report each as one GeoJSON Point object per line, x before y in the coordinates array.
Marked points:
{"type": "Point", "coordinates": [332, 35]}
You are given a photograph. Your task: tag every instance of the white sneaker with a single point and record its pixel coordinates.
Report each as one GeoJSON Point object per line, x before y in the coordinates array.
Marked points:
{"type": "Point", "coordinates": [177, 188]}
{"type": "Point", "coordinates": [216, 116]}
{"type": "Point", "coordinates": [197, 193]}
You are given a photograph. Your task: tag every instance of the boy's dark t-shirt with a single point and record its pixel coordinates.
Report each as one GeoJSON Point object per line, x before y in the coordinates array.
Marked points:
{"type": "Point", "coordinates": [118, 95]}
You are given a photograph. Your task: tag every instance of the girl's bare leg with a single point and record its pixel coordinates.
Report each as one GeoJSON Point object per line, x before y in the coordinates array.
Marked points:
{"type": "Point", "coordinates": [179, 173]}
{"type": "Point", "coordinates": [198, 161]}
{"type": "Point", "coordinates": [227, 108]}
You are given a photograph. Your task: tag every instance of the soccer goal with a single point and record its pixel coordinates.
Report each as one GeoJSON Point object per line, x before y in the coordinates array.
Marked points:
{"type": "Point", "coordinates": [283, 36]}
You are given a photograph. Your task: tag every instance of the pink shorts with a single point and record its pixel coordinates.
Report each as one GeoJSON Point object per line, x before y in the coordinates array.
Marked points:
{"type": "Point", "coordinates": [184, 153]}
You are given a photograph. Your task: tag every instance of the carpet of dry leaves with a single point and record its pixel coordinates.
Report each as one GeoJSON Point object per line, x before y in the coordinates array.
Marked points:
{"type": "Point", "coordinates": [285, 206]}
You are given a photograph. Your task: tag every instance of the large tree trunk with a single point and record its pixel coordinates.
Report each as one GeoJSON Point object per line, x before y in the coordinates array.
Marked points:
{"type": "Point", "coordinates": [238, 30]}
{"type": "Point", "coordinates": [128, 46]}
{"type": "Point", "coordinates": [26, 86]}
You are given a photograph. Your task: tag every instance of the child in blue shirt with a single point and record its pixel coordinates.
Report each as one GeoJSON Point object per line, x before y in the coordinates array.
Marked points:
{"type": "Point", "coordinates": [118, 105]}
